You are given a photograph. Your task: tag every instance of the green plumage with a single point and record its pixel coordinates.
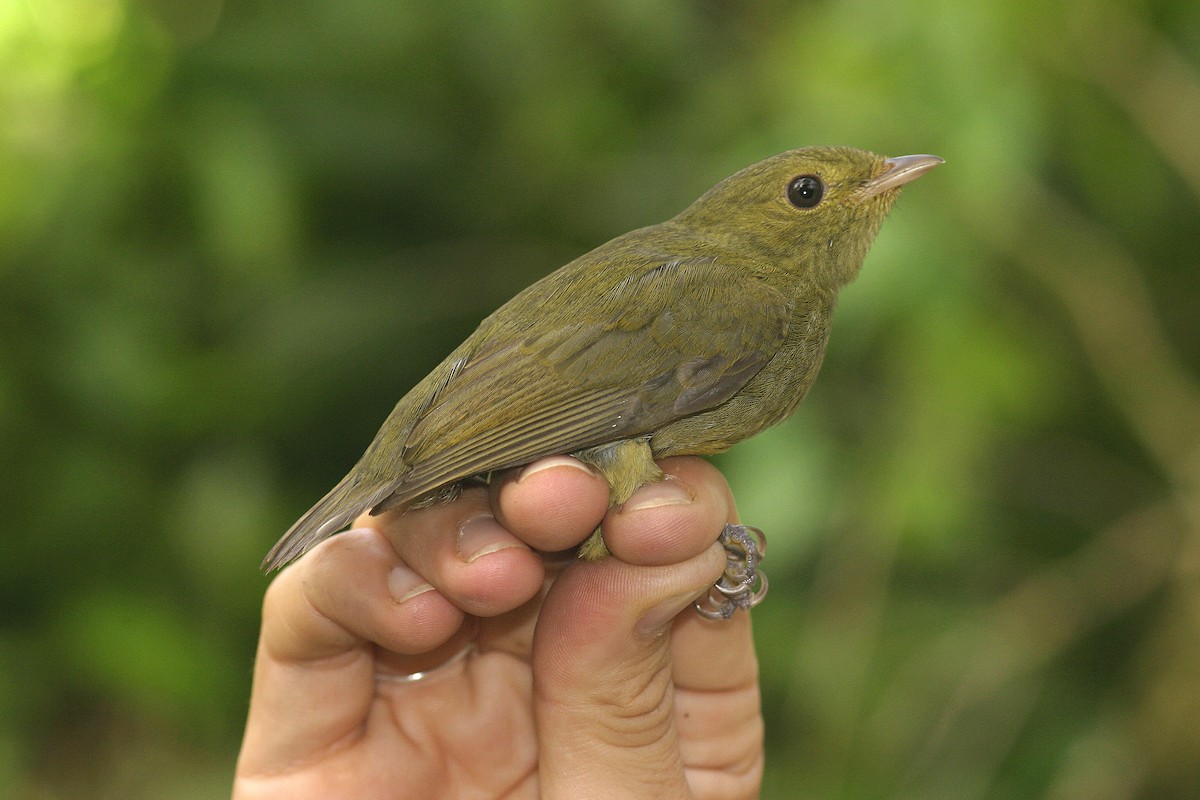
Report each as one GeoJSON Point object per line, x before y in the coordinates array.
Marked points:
{"type": "Point", "coordinates": [682, 338]}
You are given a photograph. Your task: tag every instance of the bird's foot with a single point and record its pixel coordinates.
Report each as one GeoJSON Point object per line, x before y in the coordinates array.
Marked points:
{"type": "Point", "coordinates": [741, 585]}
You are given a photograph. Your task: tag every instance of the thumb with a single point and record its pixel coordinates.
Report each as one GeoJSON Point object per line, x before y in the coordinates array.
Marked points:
{"type": "Point", "coordinates": [603, 689]}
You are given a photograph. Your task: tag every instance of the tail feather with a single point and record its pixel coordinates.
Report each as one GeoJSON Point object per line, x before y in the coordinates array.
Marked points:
{"type": "Point", "coordinates": [332, 512]}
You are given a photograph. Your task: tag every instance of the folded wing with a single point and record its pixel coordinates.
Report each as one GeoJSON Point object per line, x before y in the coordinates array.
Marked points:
{"type": "Point", "coordinates": [696, 335]}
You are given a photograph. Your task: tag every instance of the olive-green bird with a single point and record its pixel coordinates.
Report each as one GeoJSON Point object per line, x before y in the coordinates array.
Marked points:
{"type": "Point", "coordinates": [682, 338]}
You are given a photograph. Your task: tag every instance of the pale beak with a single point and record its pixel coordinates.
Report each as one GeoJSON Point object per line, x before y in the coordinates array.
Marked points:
{"type": "Point", "coordinates": [899, 171]}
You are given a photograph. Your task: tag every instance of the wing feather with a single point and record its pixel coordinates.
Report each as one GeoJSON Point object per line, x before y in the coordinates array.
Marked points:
{"type": "Point", "coordinates": [676, 351]}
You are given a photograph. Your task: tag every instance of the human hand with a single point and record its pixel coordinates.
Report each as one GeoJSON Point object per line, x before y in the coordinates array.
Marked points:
{"type": "Point", "coordinates": [538, 678]}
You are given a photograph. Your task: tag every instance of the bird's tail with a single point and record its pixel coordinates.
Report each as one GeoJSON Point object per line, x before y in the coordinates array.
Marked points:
{"type": "Point", "coordinates": [352, 496]}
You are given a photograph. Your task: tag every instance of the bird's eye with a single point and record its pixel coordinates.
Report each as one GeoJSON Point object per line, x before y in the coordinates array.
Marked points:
{"type": "Point", "coordinates": [805, 191]}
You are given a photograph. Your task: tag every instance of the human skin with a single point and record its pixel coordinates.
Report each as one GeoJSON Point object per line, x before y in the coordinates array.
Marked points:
{"type": "Point", "coordinates": [580, 679]}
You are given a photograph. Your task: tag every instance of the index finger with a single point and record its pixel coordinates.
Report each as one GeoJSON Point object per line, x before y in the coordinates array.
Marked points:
{"type": "Point", "coordinates": [314, 673]}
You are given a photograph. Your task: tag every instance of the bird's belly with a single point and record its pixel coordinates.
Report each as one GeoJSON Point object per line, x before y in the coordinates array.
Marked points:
{"type": "Point", "coordinates": [767, 399]}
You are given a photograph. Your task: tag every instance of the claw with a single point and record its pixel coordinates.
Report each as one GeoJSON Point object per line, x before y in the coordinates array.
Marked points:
{"type": "Point", "coordinates": [741, 585]}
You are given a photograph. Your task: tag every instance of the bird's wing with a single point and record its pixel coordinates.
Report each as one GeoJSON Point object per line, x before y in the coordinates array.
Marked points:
{"type": "Point", "coordinates": [697, 332]}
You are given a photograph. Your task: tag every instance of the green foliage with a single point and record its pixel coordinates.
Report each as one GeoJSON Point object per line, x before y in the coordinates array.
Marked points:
{"type": "Point", "coordinates": [231, 235]}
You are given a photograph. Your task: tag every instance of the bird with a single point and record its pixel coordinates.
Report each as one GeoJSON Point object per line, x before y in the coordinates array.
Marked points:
{"type": "Point", "coordinates": [681, 338]}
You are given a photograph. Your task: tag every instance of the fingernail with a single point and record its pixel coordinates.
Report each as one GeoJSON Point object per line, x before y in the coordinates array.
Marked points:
{"type": "Point", "coordinates": [553, 462]}
{"type": "Point", "coordinates": [666, 492]}
{"type": "Point", "coordinates": [482, 535]}
{"type": "Point", "coordinates": [657, 620]}
{"type": "Point", "coordinates": [404, 584]}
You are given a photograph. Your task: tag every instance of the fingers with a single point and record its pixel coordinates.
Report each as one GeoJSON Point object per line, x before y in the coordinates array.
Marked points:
{"type": "Point", "coordinates": [315, 668]}
{"type": "Point", "coordinates": [670, 521]}
{"type": "Point", "coordinates": [477, 551]}
{"type": "Point", "coordinates": [461, 550]}
{"type": "Point", "coordinates": [353, 589]}
{"type": "Point", "coordinates": [605, 672]}
{"type": "Point", "coordinates": [392, 596]}
{"type": "Point", "coordinates": [554, 503]}
{"type": "Point", "coordinates": [718, 709]}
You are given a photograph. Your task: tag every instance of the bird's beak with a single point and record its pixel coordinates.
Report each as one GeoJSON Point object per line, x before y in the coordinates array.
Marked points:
{"type": "Point", "coordinates": [899, 171]}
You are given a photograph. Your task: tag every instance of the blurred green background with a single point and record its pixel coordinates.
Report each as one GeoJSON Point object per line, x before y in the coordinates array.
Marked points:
{"type": "Point", "coordinates": [233, 234]}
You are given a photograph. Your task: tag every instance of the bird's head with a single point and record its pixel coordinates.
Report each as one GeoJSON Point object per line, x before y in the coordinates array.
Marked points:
{"type": "Point", "coordinates": [812, 212]}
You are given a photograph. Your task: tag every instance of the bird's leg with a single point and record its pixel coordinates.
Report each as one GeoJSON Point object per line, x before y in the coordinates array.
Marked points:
{"type": "Point", "coordinates": [627, 465]}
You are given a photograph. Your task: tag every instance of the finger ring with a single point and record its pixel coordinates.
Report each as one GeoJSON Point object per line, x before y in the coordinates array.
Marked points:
{"type": "Point", "coordinates": [742, 585]}
{"type": "Point", "coordinates": [412, 677]}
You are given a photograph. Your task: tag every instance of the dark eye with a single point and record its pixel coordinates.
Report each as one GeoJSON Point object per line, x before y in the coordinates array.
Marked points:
{"type": "Point", "coordinates": [805, 191]}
